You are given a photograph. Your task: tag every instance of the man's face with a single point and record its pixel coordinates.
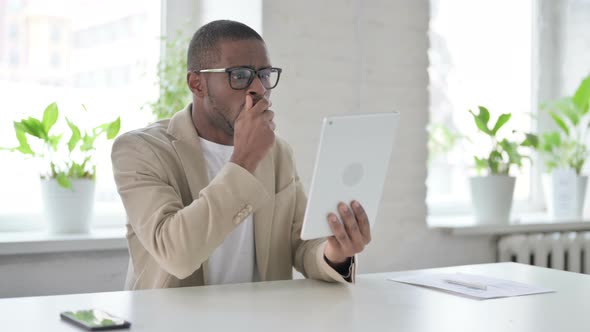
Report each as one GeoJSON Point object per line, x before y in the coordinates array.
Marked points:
{"type": "Point", "coordinates": [223, 104]}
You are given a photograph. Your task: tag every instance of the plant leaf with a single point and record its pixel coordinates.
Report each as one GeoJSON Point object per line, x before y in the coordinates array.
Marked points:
{"type": "Point", "coordinates": [565, 107]}
{"type": "Point", "coordinates": [87, 143]}
{"type": "Point", "coordinates": [63, 181]}
{"type": "Point", "coordinates": [76, 135]}
{"type": "Point", "coordinates": [54, 141]}
{"type": "Point", "coordinates": [480, 164]}
{"type": "Point", "coordinates": [572, 114]}
{"type": "Point", "coordinates": [34, 127]}
{"type": "Point", "coordinates": [481, 125]}
{"type": "Point", "coordinates": [53, 171]}
{"type": "Point", "coordinates": [24, 146]}
{"type": "Point", "coordinates": [511, 149]}
{"type": "Point", "coordinates": [494, 161]}
{"type": "Point", "coordinates": [550, 141]}
{"type": "Point", "coordinates": [559, 121]}
{"type": "Point", "coordinates": [582, 96]}
{"type": "Point", "coordinates": [502, 119]}
{"type": "Point", "coordinates": [50, 117]}
{"type": "Point", "coordinates": [78, 171]}
{"type": "Point", "coordinates": [113, 128]}
{"type": "Point", "coordinates": [484, 114]}
{"type": "Point", "coordinates": [531, 140]}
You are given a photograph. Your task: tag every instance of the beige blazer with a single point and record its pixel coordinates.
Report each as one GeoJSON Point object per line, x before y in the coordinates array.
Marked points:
{"type": "Point", "coordinates": [176, 218]}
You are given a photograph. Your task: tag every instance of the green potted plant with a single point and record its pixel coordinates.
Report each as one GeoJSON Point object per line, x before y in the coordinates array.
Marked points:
{"type": "Point", "coordinates": [565, 152]}
{"type": "Point", "coordinates": [171, 78]}
{"type": "Point", "coordinates": [68, 179]}
{"type": "Point", "coordinates": [492, 189]}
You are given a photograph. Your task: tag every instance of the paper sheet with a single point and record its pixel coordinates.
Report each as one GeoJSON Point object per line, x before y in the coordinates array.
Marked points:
{"type": "Point", "coordinates": [494, 287]}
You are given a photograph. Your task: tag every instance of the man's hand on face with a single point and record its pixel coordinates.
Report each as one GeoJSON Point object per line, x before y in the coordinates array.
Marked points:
{"type": "Point", "coordinates": [350, 236]}
{"type": "Point", "coordinates": [253, 133]}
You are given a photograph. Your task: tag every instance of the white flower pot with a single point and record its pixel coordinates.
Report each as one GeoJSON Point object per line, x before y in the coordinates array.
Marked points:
{"type": "Point", "coordinates": [564, 193]}
{"type": "Point", "coordinates": [68, 210]}
{"type": "Point", "coordinates": [492, 198]}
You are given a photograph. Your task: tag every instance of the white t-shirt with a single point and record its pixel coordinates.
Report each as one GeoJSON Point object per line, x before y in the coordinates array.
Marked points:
{"type": "Point", "coordinates": [234, 261]}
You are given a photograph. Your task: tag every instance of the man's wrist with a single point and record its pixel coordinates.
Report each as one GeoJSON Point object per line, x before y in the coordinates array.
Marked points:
{"type": "Point", "coordinates": [342, 268]}
{"type": "Point", "coordinates": [242, 163]}
{"type": "Point", "coordinates": [332, 261]}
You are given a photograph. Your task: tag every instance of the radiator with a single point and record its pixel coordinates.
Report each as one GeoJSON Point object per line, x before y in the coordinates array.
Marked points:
{"type": "Point", "coordinates": [569, 251]}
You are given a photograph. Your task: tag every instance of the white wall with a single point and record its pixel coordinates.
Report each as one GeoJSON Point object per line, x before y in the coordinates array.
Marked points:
{"type": "Point", "coordinates": [248, 12]}
{"type": "Point", "coordinates": [62, 273]}
{"type": "Point", "coordinates": [179, 16]}
{"type": "Point", "coordinates": [576, 44]}
{"type": "Point", "coordinates": [366, 56]}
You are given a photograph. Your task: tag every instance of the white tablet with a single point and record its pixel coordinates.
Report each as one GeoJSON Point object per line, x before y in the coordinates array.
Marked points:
{"type": "Point", "coordinates": [351, 164]}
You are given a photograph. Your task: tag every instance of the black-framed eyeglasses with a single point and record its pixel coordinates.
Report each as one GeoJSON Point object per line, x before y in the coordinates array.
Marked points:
{"type": "Point", "coordinates": [240, 78]}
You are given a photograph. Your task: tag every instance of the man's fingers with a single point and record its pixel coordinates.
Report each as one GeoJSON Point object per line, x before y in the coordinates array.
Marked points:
{"type": "Point", "coordinates": [340, 234]}
{"type": "Point", "coordinates": [261, 105]}
{"type": "Point", "coordinates": [362, 220]}
{"type": "Point", "coordinates": [249, 102]}
{"type": "Point", "coordinates": [268, 115]}
{"type": "Point", "coordinates": [333, 242]}
{"type": "Point", "coordinates": [352, 227]}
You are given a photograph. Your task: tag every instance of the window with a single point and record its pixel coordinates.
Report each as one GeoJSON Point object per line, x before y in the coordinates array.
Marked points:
{"type": "Point", "coordinates": [509, 56]}
{"type": "Point", "coordinates": [110, 76]}
{"type": "Point", "coordinates": [13, 32]}
{"type": "Point", "coordinates": [481, 54]}
{"type": "Point", "coordinates": [55, 59]}
{"type": "Point", "coordinates": [55, 33]}
{"type": "Point", "coordinates": [14, 59]}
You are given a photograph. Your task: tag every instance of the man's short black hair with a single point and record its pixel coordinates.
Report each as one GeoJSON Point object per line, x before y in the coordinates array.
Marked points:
{"type": "Point", "coordinates": [204, 46]}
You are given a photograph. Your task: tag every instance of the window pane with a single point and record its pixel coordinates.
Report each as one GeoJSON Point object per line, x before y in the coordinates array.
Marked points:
{"type": "Point", "coordinates": [100, 53]}
{"type": "Point", "coordinates": [480, 54]}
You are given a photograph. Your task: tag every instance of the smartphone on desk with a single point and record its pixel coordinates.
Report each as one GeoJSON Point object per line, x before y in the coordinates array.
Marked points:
{"type": "Point", "coordinates": [94, 320]}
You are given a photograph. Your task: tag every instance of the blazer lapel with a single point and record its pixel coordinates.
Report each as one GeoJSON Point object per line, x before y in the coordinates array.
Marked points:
{"type": "Point", "coordinates": [264, 215]}
{"type": "Point", "coordinates": [189, 150]}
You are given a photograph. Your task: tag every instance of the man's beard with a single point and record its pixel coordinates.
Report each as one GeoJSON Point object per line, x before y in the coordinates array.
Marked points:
{"type": "Point", "coordinates": [220, 118]}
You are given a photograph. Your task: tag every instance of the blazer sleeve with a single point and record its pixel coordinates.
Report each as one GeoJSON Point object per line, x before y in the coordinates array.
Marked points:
{"type": "Point", "coordinates": [180, 238]}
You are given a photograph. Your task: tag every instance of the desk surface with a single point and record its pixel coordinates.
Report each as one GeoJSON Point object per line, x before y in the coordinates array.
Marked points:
{"type": "Point", "coordinates": [372, 304]}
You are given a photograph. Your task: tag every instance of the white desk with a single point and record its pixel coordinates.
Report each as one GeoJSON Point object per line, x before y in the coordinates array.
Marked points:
{"type": "Point", "coordinates": [373, 304]}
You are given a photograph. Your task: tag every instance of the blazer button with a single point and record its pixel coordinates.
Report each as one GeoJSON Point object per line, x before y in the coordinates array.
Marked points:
{"type": "Point", "coordinates": [237, 220]}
